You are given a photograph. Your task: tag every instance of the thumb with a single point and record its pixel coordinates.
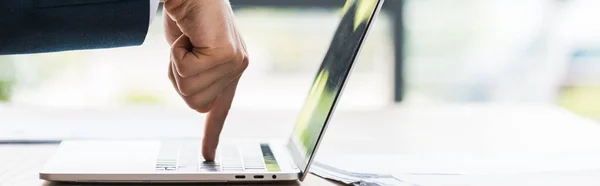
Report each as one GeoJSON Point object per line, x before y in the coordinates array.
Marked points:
{"type": "Point", "coordinates": [215, 120]}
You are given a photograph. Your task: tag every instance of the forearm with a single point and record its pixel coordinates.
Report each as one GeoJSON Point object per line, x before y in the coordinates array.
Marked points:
{"type": "Point", "coordinates": [72, 25]}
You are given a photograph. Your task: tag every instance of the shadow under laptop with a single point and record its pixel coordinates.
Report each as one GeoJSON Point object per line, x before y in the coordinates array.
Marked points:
{"type": "Point", "coordinates": [47, 183]}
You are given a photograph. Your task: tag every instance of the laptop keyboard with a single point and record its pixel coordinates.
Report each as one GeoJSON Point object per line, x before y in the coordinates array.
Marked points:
{"type": "Point", "coordinates": [186, 157]}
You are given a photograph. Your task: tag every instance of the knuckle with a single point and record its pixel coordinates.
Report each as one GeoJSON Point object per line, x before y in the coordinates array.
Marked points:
{"type": "Point", "coordinates": [181, 68]}
{"type": "Point", "coordinates": [170, 75]}
{"type": "Point", "coordinates": [204, 109]}
{"type": "Point", "coordinates": [185, 72]}
{"type": "Point", "coordinates": [180, 10]}
{"type": "Point", "coordinates": [189, 103]}
{"type": "Point", "coordinates": [185, 90]}
{"type": "Point", "coordinates": [192, 104]}
{"type": "Point", "coordinates": [178, 66]}
{"type": "Point", "coordinates": [173, 52]}
{"type": "Point", "coordinates": [226, 53]}
{"type": "Point", "coordinates": [245, 63]}
{"type": "Point", "coordinates": [241, 63]}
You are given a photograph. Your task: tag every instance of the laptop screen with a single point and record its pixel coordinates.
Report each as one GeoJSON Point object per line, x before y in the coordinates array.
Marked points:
{"type": "Point", "coordinates": [330, 79]}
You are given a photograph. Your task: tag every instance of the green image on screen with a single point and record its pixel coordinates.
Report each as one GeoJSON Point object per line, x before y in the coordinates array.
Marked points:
{"type": "Point", "coordinates": [330, 78]}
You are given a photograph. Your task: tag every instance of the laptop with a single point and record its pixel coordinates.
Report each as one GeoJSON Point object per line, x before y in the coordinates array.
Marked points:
{"type": "Point", "coordinates": [163, 161]}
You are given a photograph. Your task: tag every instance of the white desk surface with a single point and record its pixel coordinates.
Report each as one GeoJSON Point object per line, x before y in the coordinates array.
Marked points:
{"type": "Point", "coordinates": [445, 139]}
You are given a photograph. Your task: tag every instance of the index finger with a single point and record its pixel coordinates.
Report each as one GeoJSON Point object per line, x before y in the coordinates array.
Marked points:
{"type": "Point", "coordinates": [172, 31]}
{"type": "Point", "coordinates": [215, 120]}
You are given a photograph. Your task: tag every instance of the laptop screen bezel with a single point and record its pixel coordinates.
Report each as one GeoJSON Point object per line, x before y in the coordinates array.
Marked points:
{"type": "Point", "coordinates": [299, 160]}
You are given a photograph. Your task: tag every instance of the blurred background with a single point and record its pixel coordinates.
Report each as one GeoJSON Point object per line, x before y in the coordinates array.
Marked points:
{"type": "Point", "coordinates": [419, 51]}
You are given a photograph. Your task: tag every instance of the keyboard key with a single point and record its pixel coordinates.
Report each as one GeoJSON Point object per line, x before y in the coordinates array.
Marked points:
{"type": "Point", "coordinates": [209, 165]}
{"type": "Point", "coordinates": [166, 169]}
{"type": "Point", "coordinates": [186, 157]}
{"type": "Point", "coordinates": [270, 161]}
{"type": "Point", "coordinates": [163, 166]}
{"type": "Point", "coordinates": [187, 169]}
{"type": "Point", "coordinates": [255, 167]}
{"type": "Point", "coordinates": [233, 167]}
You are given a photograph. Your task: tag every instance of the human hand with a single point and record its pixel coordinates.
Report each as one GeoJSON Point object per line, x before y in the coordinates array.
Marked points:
{"type": "Point", "coordinates": [208, 57]}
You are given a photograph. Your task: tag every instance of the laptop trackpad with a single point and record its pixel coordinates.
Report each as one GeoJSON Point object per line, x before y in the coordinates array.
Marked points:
{"type": "Point", "coordinates": [104, 157]}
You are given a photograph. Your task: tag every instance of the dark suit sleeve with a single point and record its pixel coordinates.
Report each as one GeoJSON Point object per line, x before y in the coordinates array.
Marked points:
{"type": "Point", "coordinates": [35, 26]}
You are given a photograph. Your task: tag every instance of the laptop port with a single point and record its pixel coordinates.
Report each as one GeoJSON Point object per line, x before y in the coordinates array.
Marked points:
{"type": "Point", "coordinates": [259, 176]}
{"type": "Point", "coordinates": [240, 176]}
{"type": "Point", "coordinates": [274, 176]}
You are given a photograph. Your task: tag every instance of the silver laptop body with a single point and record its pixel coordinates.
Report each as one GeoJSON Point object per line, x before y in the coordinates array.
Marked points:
{"type": "Point", "coordinates": [175, 161]}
